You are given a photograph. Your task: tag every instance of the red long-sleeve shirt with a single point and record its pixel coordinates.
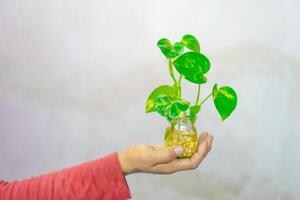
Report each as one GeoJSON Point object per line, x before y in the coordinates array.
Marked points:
{"type": "Point", "coordinates": [100, 179]}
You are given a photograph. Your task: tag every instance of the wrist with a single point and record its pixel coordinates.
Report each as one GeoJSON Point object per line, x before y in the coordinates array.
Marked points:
{"type": "Point", "coordinates": [126, 165]}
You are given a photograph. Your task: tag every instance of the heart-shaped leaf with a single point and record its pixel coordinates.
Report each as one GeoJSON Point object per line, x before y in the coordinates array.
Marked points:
{"type": "Point", "coordinates": [169, 50]}
{"type": "Point", "coordinates": [225, 100]}
{"type": "Point", "coordinates": [161, 90]}
{"type": "Point", "coordinates": [191, 42]}
{"type": "Point", "coordinates": [178, 48]}
{"type": "Point", "coordinates": [168, 107]}
{"type": "Point", "coordinates": [193, 112]}
{"type": "Point", "coordinates": [162, 104]}
{"type": "Point", "coordinates": [193, 66]}
{"type": "Point", "coordinates": [176, 107]}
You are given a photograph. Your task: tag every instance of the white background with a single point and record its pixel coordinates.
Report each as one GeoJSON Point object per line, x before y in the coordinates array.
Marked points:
{"type": "Point", "coordinates": [75, 75]}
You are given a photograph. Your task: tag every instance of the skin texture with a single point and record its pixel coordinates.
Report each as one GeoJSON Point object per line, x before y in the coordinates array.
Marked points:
{"type": "Point", "coordinates": [158, 159]}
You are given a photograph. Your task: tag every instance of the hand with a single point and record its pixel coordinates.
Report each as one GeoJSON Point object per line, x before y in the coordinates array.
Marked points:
{"type": "Point", "coordinates": [161, 160]}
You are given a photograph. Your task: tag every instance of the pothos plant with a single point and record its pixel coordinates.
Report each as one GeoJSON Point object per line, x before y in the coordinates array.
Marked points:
{"type": "Point", "coordinates": [192, 65]}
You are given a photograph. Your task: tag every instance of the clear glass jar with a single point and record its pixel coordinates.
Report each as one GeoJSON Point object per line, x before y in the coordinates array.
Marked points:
{"type": "Point", "coordinates": [182, 132]}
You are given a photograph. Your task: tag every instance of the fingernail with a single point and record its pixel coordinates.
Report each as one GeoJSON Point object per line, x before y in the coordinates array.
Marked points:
{"type": "Point", "coordinates": [179, 150]}
{"type": "Point", "coordinates": [205, 134]}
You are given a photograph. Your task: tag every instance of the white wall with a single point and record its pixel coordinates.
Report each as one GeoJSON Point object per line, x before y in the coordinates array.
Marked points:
{"type": "Point", "coordinates": [74, 77]}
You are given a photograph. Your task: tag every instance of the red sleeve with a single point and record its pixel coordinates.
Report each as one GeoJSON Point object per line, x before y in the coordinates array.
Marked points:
{"type": "Point", "coordinates": [93, 180]}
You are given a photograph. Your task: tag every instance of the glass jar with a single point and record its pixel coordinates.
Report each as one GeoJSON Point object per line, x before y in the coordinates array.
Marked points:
{"type": "Point", "coordinates": [182, 132]}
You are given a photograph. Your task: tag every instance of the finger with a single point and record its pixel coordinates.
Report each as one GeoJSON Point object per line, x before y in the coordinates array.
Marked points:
{"type": "Point", "coordinates": [185, 164]}
{"type": "Point", "coordinates": [210, 141]}
{"type": "Point", "coordinates": [202, 137]}
{"type": "Point", "coordinates": [203, 150]}
{"type": "Point", "coordinates": [158, 146]}
{"type": "Point", "coordinates": [162, 147]}
{"type": "Point", "coordinates": [164, 155]}
{"type": "Point", "coordinates": [197, 158]}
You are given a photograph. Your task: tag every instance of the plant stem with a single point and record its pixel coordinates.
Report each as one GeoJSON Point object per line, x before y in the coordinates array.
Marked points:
{"type": "Point", "coordinates": [171, 71]}
{"type": "Point", "coordinates": [204, 100]}
{"type": "Point", "coordinates": [198, 94]}
{"type": "Point", "coordinates": [180, 77]}
{"type": "Point", "coordinates": [179, 86]}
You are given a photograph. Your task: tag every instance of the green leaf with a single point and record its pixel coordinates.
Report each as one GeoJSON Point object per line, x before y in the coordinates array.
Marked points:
{"type": "Point", "coordinates": [225, 100]}
{"type": "Point", "coordinates": [169, 50]}
{"type": "Point", "coordinates": [191, 42]}
{"type": "Point", "coordinates": [193, 112]}
{"type": "Point", "coordinates": [193, 66]}
{"type": "Point", "coordinates": [178, 47]}
{"type": "Point", "coordinates": [161, 90]}
{"type": "Point", "coordinates": [169, 108]}
{"type": "Point", "coordinates": [162, 104]}
{"type": "Point", "coordinates": [176, 107]}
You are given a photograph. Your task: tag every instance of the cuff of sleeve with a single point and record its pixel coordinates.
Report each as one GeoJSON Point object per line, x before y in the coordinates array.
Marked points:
{"type": "Point", "coordinates": [116, 171]}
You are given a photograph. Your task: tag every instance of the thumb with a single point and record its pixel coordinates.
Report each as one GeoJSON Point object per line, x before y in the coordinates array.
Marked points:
{"type": "Point", "coordinates": [168, 154]}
